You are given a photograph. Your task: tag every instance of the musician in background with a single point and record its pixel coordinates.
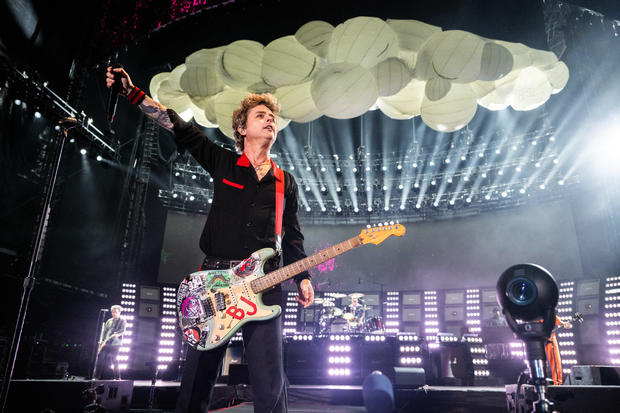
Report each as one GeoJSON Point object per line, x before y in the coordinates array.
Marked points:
{"type": "Point", "coordinates": [357, 310]}
{"type": "Point", "coordinates": [553, 351]}
{"type": "Point", "coordinates": [110, 343]}
{"type": "Point", "coordinates": [496, 320]}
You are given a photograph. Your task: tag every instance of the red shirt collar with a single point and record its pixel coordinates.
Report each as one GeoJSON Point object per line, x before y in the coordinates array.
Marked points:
{"type": "Point", "coordinates": [244, 161]}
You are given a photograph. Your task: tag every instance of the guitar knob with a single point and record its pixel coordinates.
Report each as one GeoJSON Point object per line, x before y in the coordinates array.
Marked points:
{"type": "Point", "coordinates": [220, 326]}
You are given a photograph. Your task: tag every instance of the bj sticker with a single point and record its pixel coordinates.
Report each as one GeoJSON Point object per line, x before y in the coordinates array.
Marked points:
{"type": "Point", "coordinates": [192, 336]}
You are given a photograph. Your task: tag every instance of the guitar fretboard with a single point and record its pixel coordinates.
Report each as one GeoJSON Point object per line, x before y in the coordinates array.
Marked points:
{"type": "Point", "coordinates": [276, 277]}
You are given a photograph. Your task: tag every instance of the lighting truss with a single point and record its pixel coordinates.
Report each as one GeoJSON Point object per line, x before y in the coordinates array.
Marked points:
{"type": "Point", "coordinates": [566, 338]}
{"type": "Point", "coordinates": [128, 302]}
{"type": "Point", "coordinates": [612, 318]}
{"type": "Point", "coordinates": [38, 93]}
{"type": "Point", "coordinates": [448, 181]}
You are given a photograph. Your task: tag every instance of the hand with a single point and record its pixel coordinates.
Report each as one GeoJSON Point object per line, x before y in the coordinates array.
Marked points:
{"type": "Point", "coordinates": [305, 293]}
{"type": "Point", "coordinates": [126, 84]}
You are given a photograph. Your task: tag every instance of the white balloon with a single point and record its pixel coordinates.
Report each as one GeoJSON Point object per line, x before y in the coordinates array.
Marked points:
{"type": "Point", "coordinates": [239, 65]}
{"type": "Point", "coordinates": [226, 103]}
{"type": "Point", "coordinates": [558, 77]}
{"type": "Point", "coordinates": [362, 40]}
{"type": "Point", "coordinates": [173, 98]}
{"type": "Point", "coordinates": [344, 90]}
{"type": "Point", "coordinates": [175, 77]}
{"type": "Point", "coordinates": [315, 36]}
{"type": "Point", "coordinates": [458, 55]}
{"type": "Point", "coordinates": [501, 96]}
{"type": "Point", "coordinates": [198, 107]}
{"type": "Point", "coordinates": [531, 89]}
{"type": "Point", "coordinates": [200, 77]}
{"type": "Point", "coordinates": [406, 103]}
{"type": "Point", "coordinates": [287, 62]}
{"type": "Point", "coordinates": [156, 83]}
{"type": "Point", "coordinates": [496, 62]}
{"type": "Point", "coordinates": [543, 59]}
{"type": "Point", "coordinates": [297, 103]}
{"type": "Point", "coordinates": [424, 65]}
{"type": "Point", "coordinates": [392, 75]}
{"type": "Point", "coordinates": [437, 88]}
{"type": "Point", "coordinates": [412, 34]}
{"type": "Point", "coordinates": [452, 112]}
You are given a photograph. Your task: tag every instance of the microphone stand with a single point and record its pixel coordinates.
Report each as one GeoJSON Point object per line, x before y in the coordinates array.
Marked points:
{"type": "Point", "coordinates": [35, 259]}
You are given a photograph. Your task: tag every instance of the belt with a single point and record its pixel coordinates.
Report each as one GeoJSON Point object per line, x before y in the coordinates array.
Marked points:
{"type": "Point", "coordinates": [212, 263]}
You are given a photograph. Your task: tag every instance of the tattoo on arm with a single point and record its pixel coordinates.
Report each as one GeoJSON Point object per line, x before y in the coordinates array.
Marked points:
{"type": "Point", "coordinates": [157, 112]}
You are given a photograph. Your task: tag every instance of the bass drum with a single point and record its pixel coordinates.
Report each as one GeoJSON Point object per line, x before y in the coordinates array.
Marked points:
{"type": "Point", "coordinates": [339, 326]}
{"type": "Point", "coordinates": [374, 325]}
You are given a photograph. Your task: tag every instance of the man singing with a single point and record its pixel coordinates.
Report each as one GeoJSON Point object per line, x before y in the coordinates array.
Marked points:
{"type": "Point", "coordinates": [242, 219]}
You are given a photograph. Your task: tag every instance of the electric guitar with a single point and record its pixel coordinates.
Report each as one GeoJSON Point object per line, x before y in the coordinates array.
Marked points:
{"type": "Point", "coordinates": [577, 318]}
{"type": "Point", "coordinates": [212, 305]}
{"type": "Point", "coordinates": [107, 340]}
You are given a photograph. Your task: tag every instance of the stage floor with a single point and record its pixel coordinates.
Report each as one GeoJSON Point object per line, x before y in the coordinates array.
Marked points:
{"type": "Point", "coordinates": [333, 398]}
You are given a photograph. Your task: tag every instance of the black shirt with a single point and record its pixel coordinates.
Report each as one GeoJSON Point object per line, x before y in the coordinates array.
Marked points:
{"type": "Point", "coordinates": [111, 327]}
{"type": "Point", "coordinates": [242, 215]}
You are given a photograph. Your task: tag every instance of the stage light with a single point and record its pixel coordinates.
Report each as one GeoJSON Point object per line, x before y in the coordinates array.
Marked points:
{"type": "Point", "coordinates": [72, 140]}
{"type": "Point", "coordinates": [191, 198]}
{"type": "Point", "coordinates": [556, 160]}
{"type": "Point", "coordinates": [99, 158]}
{"type": "Point", "coordinates": [415, 165]}
{"type": "Point", "coordinates": [481, 155]}
{"type": "Point", "coordinates": [308, 209]}
{"type": "Point", "coordinates": [500, 172]}
{"type": "Point", "coordinates": [399, 167]}
{"type": "Point", "coordinates": [308, 168]}
{"type": "Point", "coordinates": [514, 147]}
{"type": "Point", "coordinates": [504, 194]}
{"type": "Point", "coordinates": [323, 169]}
{"type": "Point", "coordinates": [487, 197]}
{"type": "Point", "coordinates": [292, 168]}
{"type": "Point", "coordinates": [561, 182]}
{"type": "Point", "coordinates": [447, 161]}
{"type": "Point", "coordinates": [468, 200]}
{"type": "Point", "coordinates": [431, 163]}
{"type": "Point", "coordinates": [484, 175]}
{"type": "Point", "coordinates": [355, 189]}
{"type": "Point", "coordinates": [518, 169]}
{"type": "Point", "coordinates": [497, 151]}
{"type": "Point", "coordinates": [416, 185]}
{"type": "Point", "coordinates": [83, 151]}
{"type": "Point", "coordinates": [433, 182]}
{"type": "Point", "coordinates": [37, 115]}
{"type": "Point", "coordinates": [418, 206]}
{"type": "Point", "coordinates": [307, 188]}
{"type": "Point", "coordinates": [542, 186]}
{"type": "Point", "coordinates": [356, 209]}
{"type": "Point", "coordinates": [522, 191]}
{"type": "Point", "coordinates": [194, 177]}
{"type": "Point", "coordinates": [537, 164]}
{"type": "Point", "coordinates": [17, 102]}
{"type": "Point", "coordinates": [354, 169]}
{"type": "Point", "coordinates": [451, 202]}
{"type": "Point", "coordinates": [369, 208]}
{"type": "Point", "coordinates": [466, 179]}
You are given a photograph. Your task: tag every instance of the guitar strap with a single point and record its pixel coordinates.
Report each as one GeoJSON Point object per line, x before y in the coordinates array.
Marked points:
{"type": "Point", "coordinates": [279, 175]}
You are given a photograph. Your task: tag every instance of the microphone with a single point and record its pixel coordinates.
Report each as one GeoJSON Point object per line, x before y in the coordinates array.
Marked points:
{"type": "Point", "coordinates": [113, 97]}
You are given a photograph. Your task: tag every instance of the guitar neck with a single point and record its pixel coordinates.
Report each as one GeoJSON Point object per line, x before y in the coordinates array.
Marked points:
{"type": "Point", "coordinates": [289, 271]}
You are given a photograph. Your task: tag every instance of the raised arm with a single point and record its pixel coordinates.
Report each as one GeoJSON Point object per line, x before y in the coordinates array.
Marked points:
{"type": "Point", "coordinates": [151, 108]}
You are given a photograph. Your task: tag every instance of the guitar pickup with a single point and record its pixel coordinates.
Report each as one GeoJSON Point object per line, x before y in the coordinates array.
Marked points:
{"type": "Point", "coordinates": [220, 301]}
{"type": "Point", "coordinates": [207, 306]}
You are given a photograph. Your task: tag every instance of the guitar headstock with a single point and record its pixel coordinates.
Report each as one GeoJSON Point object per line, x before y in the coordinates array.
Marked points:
{"type": "Point", "coordinates": [378, 234]}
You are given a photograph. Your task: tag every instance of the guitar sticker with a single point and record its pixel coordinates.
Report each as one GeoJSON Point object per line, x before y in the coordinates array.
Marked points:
{"type": "Point", "coordinates": [192, 336]}
{"type": "Point", "coordinates": [190, 307]}
{"type": "Point", "coordinates": [217, 279]}
{"type": "Point", "coordinates": [246, 267]}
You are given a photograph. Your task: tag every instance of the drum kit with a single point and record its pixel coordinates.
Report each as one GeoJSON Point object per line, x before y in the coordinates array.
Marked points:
{"type": "Point", "coordinates": [351, 318]}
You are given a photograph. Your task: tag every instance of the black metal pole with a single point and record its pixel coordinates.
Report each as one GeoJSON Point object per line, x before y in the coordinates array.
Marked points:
{"type": "Point", "coordinates": [29, 281]}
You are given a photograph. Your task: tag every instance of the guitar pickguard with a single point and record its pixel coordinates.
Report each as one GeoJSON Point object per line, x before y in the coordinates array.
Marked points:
{"type": "Point", "coordinates": [213, 304]}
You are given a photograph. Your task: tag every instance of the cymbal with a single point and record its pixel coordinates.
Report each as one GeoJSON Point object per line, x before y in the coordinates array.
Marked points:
{"type": "Point", "coordinates": [338, 295]}
{"type": "Point", "coordinates": [356, 295]}
{"type": "Point", "coordinates": [327, 303]}
{"type": "Point", "coordinates": [337, 312]}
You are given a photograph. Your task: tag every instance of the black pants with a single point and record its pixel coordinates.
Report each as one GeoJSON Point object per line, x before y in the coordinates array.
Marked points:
{"type": "Point", "coordinates": [107, 358]}
{"type": "Point", "coordinates": [263, 352]}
